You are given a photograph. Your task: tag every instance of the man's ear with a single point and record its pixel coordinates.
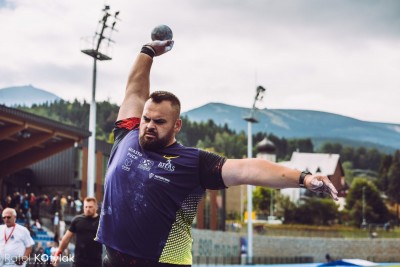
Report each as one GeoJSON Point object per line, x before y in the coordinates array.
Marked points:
{"type": "Point", "coordinates": [178, 126]}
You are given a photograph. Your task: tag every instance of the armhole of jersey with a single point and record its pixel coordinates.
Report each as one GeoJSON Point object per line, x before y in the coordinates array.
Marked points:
{"type": "Point", "coordinates": [128, 124]}
{"type": "Point", "coordinates": [121, 129]}
{"type": "Point", "coordinates": [210, 165]}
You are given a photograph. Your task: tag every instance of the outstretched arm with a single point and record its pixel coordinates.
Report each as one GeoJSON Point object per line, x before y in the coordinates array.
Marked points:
{"type": "Point", "coordinates": [138, 85]}
{"type": "Point", "coordinates": [266, 173]}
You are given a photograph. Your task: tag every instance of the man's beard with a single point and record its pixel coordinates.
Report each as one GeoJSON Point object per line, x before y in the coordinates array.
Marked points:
{"type": "Point", "coordinates": [156, 143]}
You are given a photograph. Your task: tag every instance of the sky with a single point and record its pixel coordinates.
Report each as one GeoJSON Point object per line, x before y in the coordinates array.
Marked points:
{"type": "Point", "coordinates": [339, 56]}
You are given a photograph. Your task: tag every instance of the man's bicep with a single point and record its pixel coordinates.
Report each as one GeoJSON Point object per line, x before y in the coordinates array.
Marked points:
{"type": "Point", "coordinates": [132, 106]}
{"type": "Point", "coordinates": [68, 235]}
{"type": "Point", "coordinates": [232, 172]}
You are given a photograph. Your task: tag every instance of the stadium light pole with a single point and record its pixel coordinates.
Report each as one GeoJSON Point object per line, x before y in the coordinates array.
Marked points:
{"type": "Point", "coordinates": [96, 54]}
{"type": "Point", "coordinates": [364, 221]}
{"type": "Point", "coordinates": [250, 120]}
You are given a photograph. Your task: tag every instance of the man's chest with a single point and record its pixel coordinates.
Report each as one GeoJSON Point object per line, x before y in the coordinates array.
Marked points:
{"type": "Point", "coordinates": [86, 226]}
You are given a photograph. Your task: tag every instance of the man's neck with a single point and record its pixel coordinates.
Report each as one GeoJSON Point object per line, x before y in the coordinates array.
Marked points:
{"type": "Point", "coordinates": [12, 225]}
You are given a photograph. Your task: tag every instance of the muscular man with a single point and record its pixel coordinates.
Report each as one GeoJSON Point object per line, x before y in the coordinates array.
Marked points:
{"type": "Point", "coordinates": [154, 184]}
{"type": "Point", "coordinates": [84, 227]}
{"type": "Point", "coordinates": [15, 240]}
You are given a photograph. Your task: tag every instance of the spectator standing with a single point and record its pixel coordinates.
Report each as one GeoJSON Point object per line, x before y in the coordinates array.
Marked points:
{"type": "Point", "coordinates": [28, 216]}
{"type": "Point", "coordinates": [56, 224]}
{"type": "Point", "coordinates": [78, 205]}
{"type": "Point", "coordinates": [55, 204]}
{"type": "Point", "coordinates": [38, 255]}
{"type": "Point", "coordinates": [7, 202]}
{"type": "Point", "coordinates": [37, 224]}
{"type": "Point", "coordinates": [15, 241]}
{"type": "Point", "coordinates": [16, 201]}
{"type": "Point", "coordinates": [63, 204]}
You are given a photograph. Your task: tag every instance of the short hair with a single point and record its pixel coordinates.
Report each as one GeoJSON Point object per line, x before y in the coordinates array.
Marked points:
{"type": "Point", "coordinates": [90, 199]}
{"type": "Point", "coordinates": [13, 211]}
{"type": "Point", "coordinates": [159, 96]}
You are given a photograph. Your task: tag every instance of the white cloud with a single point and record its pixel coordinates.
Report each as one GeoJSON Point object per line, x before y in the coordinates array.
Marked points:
{"type": "Point", "coordinates": [336, 56]}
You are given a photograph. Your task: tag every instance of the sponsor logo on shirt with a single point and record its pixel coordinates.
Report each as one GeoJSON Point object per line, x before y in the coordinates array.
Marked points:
{"type": "Point", "coordinates": [158, 178]}
{"type": "Point", "coordinates": [127, 164]}
{"type": "Point", "coordinates": [134, 154]}
{"type": "Point", "coordinates": [131, 155]}
{"type": "Point", "coordinates": [145, 164]}
{"type": "Point", "coordinates": [168, 166]}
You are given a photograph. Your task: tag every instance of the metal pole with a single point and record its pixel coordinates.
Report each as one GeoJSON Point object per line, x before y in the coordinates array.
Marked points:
{"type": "Point", "coordinates": [271, 205]}
{"type": "Point", "coordinates": [92, 138]}
{"type": "Point", "coordinates": [241, 203]}
{"type": "Point", "coordinates": [97, 55]}
{"type": "Point", "coordinates": [364, 222]}
{"type": "Point", "coordinates": [249, 198]}
{"type": "Point", "coordinates": [250, 119]}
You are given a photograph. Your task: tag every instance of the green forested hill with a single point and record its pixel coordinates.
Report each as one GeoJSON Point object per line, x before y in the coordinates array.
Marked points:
{"type": "Point", "coordinates": [77, 113]}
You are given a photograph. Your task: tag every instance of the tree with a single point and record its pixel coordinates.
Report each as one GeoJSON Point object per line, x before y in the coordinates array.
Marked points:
{"type": "Point", "coordinates": [262, 199]}
{"type": "Point", "coordinates": [286, 209]}
{"type": "Point", "coordinates": [303, 145]}
{"type": "Point", "coordinates": [317, 211]}
{"type": "Point", "coordinates": [383, 182]}
{"type": "Point", "coordinates": [393, 188]}
{"type": "Point", "coordinates": [348, 171]}
{"type": "Point", "coordinates": [375, 209]}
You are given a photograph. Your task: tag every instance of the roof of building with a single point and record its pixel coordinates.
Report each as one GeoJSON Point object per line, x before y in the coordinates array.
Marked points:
{"type": "Point", "coordinates": [314, 162]}
{"type": "Point", "coordinates": [26, 138]}
{"type": "Point", "coordinates": [266, 146]}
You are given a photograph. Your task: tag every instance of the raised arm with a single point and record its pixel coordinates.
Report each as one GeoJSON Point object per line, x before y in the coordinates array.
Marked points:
{"type": "Point", "coordinates": [266, 173]}
{"type": "Point", "coordinates": [138, 85]}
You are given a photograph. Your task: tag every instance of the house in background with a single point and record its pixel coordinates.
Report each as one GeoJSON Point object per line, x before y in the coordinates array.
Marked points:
{"type": "Point", "coordinates": [326, 164]}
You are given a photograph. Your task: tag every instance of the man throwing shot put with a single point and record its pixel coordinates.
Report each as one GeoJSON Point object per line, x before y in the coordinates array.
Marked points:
{"type": "Point", "coordinates": [154, 184]}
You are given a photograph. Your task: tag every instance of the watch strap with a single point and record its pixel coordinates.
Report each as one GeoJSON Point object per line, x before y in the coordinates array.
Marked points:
{"type": "Point", "coordinates": [303, 174]}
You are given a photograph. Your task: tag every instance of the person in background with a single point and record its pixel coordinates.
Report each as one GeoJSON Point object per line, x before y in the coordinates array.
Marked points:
{"type": "Point", "coordinates": [38, 253]}
{"type": "Point", "coordinates": [15, 240]}
{"type": "Point", "coordinates": [87, 251]}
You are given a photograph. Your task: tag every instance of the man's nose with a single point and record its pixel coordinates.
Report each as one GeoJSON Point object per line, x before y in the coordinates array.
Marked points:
{"type": "Point", "coordinates": [151, 125]}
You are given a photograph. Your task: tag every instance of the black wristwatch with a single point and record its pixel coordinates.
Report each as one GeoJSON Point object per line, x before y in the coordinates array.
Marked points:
{"type": "Point", "coordinates": [301, 178]}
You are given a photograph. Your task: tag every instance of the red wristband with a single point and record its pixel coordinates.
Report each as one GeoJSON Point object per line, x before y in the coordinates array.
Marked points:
{"type": "Point", "coordinates": [58, 253]}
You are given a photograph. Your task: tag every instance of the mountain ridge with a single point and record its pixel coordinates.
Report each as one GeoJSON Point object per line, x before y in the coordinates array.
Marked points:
{"type": "Point", "coordinates": [25, 95]}
{"type": "Point", "coordinates": [319, 126]}
{"type": "Point", "coordinates": [297, 123]}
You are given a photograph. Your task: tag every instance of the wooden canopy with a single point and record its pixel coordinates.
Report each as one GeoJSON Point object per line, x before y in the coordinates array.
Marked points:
{"type": "Point", "coordinates": [26, 138]}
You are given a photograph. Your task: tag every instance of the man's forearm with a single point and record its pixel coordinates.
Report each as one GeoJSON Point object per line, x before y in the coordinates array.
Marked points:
{"type": "Point", "coordinates": [137, 88]}
{"type": "Point", "coordinates": [266, 173]}
{"type": "Point", "coordinates": [138, 85]}
{"type": "Point", "coordinates": [63, 245]}
{"type": "Point", "coordinates": [65, 241]}
{"type": "Point", "coordinates": [28, 251]}
{"type": "Point", "coordinates": [259, 172]}
{"type": "Point", "coordinates": [139, 76]}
